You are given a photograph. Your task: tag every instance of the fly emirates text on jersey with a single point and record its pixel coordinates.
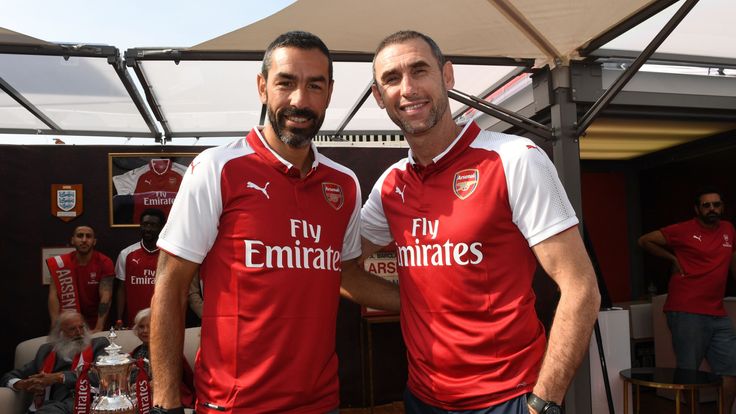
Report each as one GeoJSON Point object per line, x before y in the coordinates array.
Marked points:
{"type": "Point", "coordinates": [435, 254]}
{"type": "Point", "coordinates": [296, 256]}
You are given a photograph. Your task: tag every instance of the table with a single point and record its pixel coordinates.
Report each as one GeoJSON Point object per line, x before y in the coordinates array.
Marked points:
{"type": "Point", "coordinates": [672, 379]}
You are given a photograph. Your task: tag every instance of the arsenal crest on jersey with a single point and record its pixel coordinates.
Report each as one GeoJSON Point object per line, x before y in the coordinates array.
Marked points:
{"type": "Point", "coordinates": [465, 183]}
{"type": "Point", "coordinates": [333, 195]}
{"type": "Point", "coordinates": [66, 201]}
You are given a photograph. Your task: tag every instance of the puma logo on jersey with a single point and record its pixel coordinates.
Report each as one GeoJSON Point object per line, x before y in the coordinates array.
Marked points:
{"type": "Point", "coordinates": [136, 261]}
{"type": "Point", "coordinates": [148, 182]}
{"type": "Point", "coordinates": [194, 164]}
{"type": "Point", "coordinates": [261, 189]}
{"type": "Point", "coordinates": [698, 237]}
{"type": "Point", "coordinates": [400, 192]}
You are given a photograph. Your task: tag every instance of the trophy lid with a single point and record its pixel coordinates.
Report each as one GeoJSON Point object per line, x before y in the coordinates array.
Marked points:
{"type": "Point", "coordinates": [113, 357]}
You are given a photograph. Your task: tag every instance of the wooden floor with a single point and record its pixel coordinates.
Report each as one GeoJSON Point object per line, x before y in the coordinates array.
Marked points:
{"type": "Point", "coordinates": [650, 404]}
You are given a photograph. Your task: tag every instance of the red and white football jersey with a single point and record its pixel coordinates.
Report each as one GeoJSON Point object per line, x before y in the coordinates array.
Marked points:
{"type": "Point", "coordinates": [271, 246]}
{"type": "Point", "coordinates": [136, 268]}
{"type": "Point", "coordinates": [153, 185]}
{"type": "Point", "coordinates": [463, 228]}
{"type": "Point", "coordinates": [705, 256]}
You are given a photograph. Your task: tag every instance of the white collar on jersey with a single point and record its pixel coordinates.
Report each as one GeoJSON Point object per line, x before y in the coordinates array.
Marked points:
{"type": "Point", "coordinates": [280, 158]}
{"type": "Point", "coordinates": [449, 147]}
{"type": "Point", "coordinates": [143, 246]}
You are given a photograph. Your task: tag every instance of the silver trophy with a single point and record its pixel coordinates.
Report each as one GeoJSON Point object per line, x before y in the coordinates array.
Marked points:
{"type": "Point", "coordinates": [113, 370]}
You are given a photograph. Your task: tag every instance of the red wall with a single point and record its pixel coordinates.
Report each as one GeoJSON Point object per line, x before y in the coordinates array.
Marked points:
{"type": "Point", "coordinates": [604, 214]}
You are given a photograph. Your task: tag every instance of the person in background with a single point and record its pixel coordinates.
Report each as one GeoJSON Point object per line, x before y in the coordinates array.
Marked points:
{"type": "Point", "coordinates": [194, 297]}
{"type": "Point", "coordinates": [81, 280]}
{"type": "Point", "coordinates": [135, 269]}
{"type": "Point", "coordinates": [471, 213]}
{"type": "Point", "coordinates": [142, 329]}
{"type": "Point", "coordinates": [701, 252]}
{"type": "Point", "coordinates": [51, 375]}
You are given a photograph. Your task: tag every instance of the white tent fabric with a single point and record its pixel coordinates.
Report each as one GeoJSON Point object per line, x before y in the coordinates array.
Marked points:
{"type": "Point", "coordinates": [544, 30]}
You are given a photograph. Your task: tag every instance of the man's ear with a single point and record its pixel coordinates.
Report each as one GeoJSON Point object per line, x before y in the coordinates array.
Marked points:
{"type": "Point", "coordinates": [261, 83]}
{"type": "Point", "coordinates": [377, 95]}
{"type": "Point", "coordinates": [448, 75]}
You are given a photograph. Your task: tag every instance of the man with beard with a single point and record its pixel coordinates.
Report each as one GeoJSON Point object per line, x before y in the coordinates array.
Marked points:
{"type": "Point", "coordinates": [272, 226]}
{"type": "Point", "coordinates": [51, 375]}
{"type": "Point", "coordinates": [136, 268]}
{"type": "Point", "coordinates": [701, 252]}
{"type": "Point", "coordinates": [471, 212]}
{"type": "Point", "coordinates": [81, 281]}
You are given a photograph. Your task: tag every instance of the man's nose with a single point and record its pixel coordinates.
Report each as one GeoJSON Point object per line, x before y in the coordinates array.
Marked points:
{"type": "Point", "coordinates": [298, 97]}
{"type": "Point", "coordinates": [407, 86]}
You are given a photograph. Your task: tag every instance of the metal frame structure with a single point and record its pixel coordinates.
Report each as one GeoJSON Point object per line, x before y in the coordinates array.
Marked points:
{"type": "Point", "coordinates": [111, 54]}
{"type": "Point", "coordinates": [134, 57]}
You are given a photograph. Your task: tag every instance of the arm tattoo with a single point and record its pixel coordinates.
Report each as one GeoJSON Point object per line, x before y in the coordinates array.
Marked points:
{"type": "Point", "coordinates": [103, 308]}
{"type": "Point", "coordinates": [106, 284]}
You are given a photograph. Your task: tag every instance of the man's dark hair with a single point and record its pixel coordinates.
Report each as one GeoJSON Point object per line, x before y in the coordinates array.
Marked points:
{"type": "Point", "coordinates": [299, 40]}
{"type": "Point", "coordinates": [155, 213]}
{"type": "Point", "coordinates": [403, 36]}
{"type": "Point", "coordinates": [706, 189]}
{"type": "Point", "coordinates": [74, 232]}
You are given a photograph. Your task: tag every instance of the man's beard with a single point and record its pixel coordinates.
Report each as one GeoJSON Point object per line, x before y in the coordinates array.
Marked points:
{"type": "Point", "coordinates": [67, 348]}
{"type": "Point", "coordinates": [294, 137]}
{"type": "Point", "coordinates": [710, 218]}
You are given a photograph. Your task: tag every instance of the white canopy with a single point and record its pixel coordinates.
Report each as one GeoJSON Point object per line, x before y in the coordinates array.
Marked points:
{"type": "Point", "coordinates": [543, 30]}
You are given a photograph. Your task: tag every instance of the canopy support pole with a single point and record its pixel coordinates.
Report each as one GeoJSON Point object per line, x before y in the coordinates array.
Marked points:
{"type": "Point", "coordinates": [503, 114]}
{"type": "Point", "coordinates": [354, 110]}
{"type": "Point", "coordinates": [629, 73]}
{"type": "Point", "coordinates": [25, 103]}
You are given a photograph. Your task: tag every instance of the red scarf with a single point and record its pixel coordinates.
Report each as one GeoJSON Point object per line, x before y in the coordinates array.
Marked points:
{"type": "Point", "coordinates": [142, 388]}
{"type": "Point", "coordinates": [83, 397]}
{"type": "Point", "coordinates": [62, 273]}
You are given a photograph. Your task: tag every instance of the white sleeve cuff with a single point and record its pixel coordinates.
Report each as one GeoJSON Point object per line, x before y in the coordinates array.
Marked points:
{"type": "Point", "coordinates": [11, 383]}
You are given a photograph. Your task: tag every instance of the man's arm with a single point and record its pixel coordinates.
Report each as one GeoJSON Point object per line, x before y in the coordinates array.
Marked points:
{"type": "Point", "coordinates": [367, 289]}
{"type": "Point", "coordinates": [105, 300]}
{"type": "Point", "coordinates": [168, 308]}
{"type": "Point", "coordinates": [195, 297]}
{"type": "Point", "coordinates": [655, 244]}
{"type": "Point", "coordinates": [53, 303]}
{"type": "Point", "coordinates": [565, 260]}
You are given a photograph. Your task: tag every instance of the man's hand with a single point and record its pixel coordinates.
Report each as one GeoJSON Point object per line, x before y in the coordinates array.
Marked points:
{"type": "Point", "coordinates": [37, 383]}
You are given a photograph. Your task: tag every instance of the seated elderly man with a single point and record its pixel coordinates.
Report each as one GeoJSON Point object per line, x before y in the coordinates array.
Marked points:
{"type": "Point", "coordinates": [50, 376]}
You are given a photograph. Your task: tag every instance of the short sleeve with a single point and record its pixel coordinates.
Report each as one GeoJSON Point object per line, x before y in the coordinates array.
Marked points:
{"type": "Point", "coordinates": [120, 265]}
{"type": "Point", "coordinates": [374, 225]}
{"type": "Point", "coordinates": [351, 246]}
{"type": "Point", "coordinates": [191, 228]}
{"type": "Point", "coordinates": [539, 204]}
